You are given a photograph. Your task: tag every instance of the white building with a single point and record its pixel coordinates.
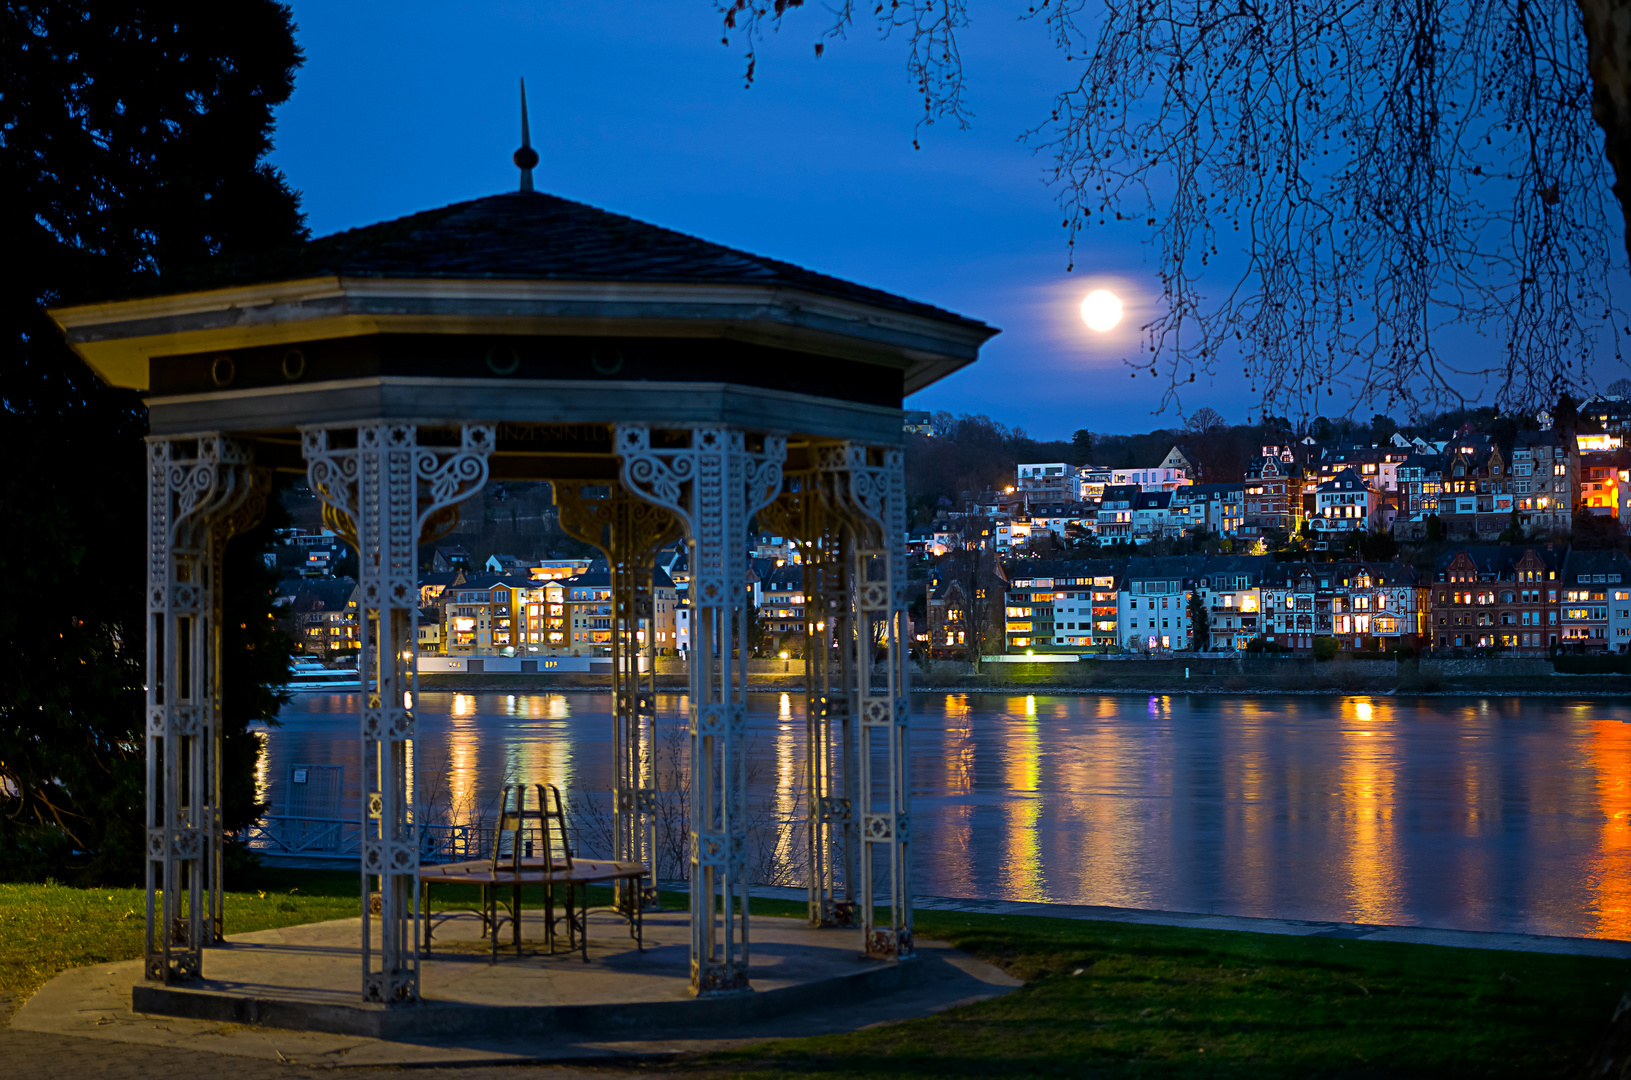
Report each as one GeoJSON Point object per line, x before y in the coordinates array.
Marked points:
{"type": "Point", "coordinates": [1054, 481]}
{"type": "Point", "coordinates": [1153, 605]}
{"type": "Point", "coordinates": [1342, 505]}
{"type": "Point", "coordinates": [1156, 479]}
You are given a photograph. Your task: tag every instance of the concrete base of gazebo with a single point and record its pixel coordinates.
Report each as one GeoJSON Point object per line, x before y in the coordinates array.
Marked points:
{"type": "Point", "coordinates": [291, 994]}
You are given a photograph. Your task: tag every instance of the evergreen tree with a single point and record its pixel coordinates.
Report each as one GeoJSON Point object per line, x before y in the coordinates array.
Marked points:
{"type": "Point", "coordinates": [133, 152]}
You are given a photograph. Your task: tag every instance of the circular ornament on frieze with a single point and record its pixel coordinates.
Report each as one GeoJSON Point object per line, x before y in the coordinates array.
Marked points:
{"type": "Point", "coordinates": [294, 365]}
{"type": "Point", "coordinates": [223, 369]}
{"type": "Point", "coordinates": [503, 360]}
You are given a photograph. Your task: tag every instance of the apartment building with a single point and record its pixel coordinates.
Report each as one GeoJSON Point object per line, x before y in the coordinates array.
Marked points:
{"type": "Point", "coordinates": [1377, 466]}
{"type": "Point", "coordinates": [1153, 604]}
{"type": "Point", "coordinates": [1273, 494]}
{"type": "Point", "coordinates": [1116, 512]}
{"type": "Point", "coordinates": [1420, 479]}
{"type": "Point", "coordinates": [1230, 588]}
{"type": "Point", "coordinates": [480, 615]}
{"type": "Point", "coordinates": [1595, 612]}
{"type": "Point", "coordinates": [1219, 508]}
{"type": "Point", "coordinates": [1091, 480]}
{"type": "Point", "coordinates": [1052, 481]}
{"type": "Point", "coordinates": [1343, 504]}
{"type": "Point", "coordinates": [1361, 605]}
{"type": "Point", "coordinates": [1055, 604]}
{"type": "Point", "coordinates": [950, 630]}
{"type": "Point", "coordinates": [1504, 596]}
{"type": "Point", "coordinates": [1605, 480]}
{"type": "Point", "coordinates": [781, 605]}
{"type": "Point", "coordinates": [1066, 521]}
{"type": "Point", "coordinates": [321, 615]}
{"type": "Point", "coordinates": [1545, 478]}
{"type": "Point", "coordinates": [1610, 414]}
{"type": "Point", "coordinates": [1154, 516]}
{"type": "Point", "coordinates": [1159, 478]}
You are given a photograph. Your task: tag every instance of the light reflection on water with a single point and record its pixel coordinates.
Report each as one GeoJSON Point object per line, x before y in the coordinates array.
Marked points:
{"type": "Point", "coordinates": [1486, 814]}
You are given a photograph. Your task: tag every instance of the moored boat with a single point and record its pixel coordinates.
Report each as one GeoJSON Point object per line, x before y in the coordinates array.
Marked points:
{"type": "Point", "coordinates": [309, 675]}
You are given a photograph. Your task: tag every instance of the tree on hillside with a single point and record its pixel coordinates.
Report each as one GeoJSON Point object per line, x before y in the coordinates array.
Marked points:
{"type": "Point", "coordinates": [1354, 177]}
{"type": "Point", "coordinates": [135, 138]}
{"type": "Point", "coordinates": [1204, 421]}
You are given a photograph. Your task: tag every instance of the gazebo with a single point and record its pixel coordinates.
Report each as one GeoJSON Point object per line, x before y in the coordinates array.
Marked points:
{"type": "Point", "coordinates": [667, 388]}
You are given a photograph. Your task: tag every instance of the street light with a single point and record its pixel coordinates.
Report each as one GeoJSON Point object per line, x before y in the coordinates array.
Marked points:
{"type": "Point", "coordinates": [784, 661]}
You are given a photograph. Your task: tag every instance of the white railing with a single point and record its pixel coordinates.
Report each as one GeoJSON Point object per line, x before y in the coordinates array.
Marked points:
{"type": "Point", "coordinates": [341, 839]}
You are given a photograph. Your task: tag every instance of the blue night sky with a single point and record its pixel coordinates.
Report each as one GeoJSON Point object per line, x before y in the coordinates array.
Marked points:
{"type": "Point", "coordinates": [637, 107]}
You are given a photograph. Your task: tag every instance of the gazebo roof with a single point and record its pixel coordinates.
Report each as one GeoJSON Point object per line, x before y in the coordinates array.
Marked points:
{"type": "Point", "coordinates": [522, 307]}
{"type": "Point", "coordinates": [531, 236]}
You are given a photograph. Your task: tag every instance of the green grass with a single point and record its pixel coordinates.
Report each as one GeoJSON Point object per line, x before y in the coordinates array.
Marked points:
{"type": "Point", "coordinates": [46, 929]}
{"type": "Point", "coordinates": [1111, 1000]}
{"type": "Point", "coordinates": [1100, 1000]}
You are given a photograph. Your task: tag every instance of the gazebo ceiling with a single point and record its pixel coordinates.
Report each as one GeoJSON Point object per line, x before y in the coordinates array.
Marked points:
{"type": "Point", "coordinates": [522, 307]}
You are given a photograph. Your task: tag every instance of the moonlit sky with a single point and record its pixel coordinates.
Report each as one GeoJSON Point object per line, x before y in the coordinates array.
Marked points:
{"type": "Point", "coordinates": [638, 108]}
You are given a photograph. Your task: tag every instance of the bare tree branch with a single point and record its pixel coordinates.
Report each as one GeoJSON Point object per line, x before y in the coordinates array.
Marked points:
{"type": "Point", "coordinates": [1404, 202]}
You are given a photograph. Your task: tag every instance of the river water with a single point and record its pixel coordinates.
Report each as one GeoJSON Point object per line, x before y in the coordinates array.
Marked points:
{"type": "Point", "coordinates": [1499, 814]}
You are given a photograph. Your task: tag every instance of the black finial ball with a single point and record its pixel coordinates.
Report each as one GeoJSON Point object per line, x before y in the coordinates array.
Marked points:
{"type": "Point", "coordinates": [526, 158]}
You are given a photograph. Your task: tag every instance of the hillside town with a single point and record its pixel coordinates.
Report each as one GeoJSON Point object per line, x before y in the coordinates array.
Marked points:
{"type": "Point", "coordinates": [1484, 541]}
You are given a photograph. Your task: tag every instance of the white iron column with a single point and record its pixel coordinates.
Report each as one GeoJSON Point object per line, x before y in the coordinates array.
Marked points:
{"type": "Point", "coordinates": [193, 484]}
{"type": "Point", "coordinates": [714, 484]}
{"type": "Point", "coordinates": [877, 498]}
{"type": "Point", "coordinates": [241, 517]}
{"type": "Point", "coordinates": [382, 490]}
{"type": "Point", "coordinates": [807, 512]}
{"type": "Point", "coordinates": [628, 531]}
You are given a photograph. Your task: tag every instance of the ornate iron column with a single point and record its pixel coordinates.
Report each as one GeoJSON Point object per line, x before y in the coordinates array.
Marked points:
{"type": "Point", "coordinates": [807, 512]}
{"type": "Point", "coordinates": [873, 483]}
{"type": "Point", "coordinates": [245, 515]}
{"type": "Point", "coordinates": [383, 491]}
{"type": "Point", "coordinates": [199, 490]}
{"type": "Point", "coordinates": [629, 531]}
{"type": "Point", "coordinates": [713, 483]}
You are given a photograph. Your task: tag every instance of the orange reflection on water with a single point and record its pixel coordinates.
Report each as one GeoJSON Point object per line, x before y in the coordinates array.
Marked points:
{"type": "Point", "coordinates": [1021, 849]}
{"type": "Point", "coordinates": [1248, 834]}
{"type": "Point", "coordinates": [1607, 751]}
{"type": "Point", "coordinates": [1370, 845]}
{"type": "Point", "coordinates": [959, 746]}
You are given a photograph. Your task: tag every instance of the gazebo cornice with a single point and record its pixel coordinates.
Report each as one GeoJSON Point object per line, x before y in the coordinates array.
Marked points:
{"type": "Point", "coordinates": [120, 339]}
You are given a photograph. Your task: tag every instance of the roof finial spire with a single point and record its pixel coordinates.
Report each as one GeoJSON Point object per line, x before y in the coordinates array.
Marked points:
{"type": "Point", "coordinates": [526, 157]}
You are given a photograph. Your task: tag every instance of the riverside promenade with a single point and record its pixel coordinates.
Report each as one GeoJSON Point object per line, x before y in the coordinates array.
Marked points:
{"type": "Point", "coordinates": [82, 1022]}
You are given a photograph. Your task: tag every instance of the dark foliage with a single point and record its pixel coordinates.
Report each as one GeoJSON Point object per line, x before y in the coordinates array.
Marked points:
{"type": "Point", "coordinates": [133, 143]}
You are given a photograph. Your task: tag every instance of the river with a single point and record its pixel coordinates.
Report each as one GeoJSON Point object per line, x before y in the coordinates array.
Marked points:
{"type": "Point", "coordinates": [1500, 814]}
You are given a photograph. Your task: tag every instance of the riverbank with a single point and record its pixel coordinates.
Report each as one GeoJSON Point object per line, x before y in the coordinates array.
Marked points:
{"type": "Point", "coordinates": [1049, 679]}
{"type": "Point", "coordinates": [1098, 998]}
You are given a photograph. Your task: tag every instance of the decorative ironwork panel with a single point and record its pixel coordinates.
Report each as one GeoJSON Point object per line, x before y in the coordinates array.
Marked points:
{"type": "Point", "coordinates": [848, 512]}
{"type": "Point", "coordinates": [200, 490]}
{"type": "Point", "coordinates": [383, 491]}
{"type": "Point", "coordinates": [807, 513]}
{"type": "Point", "coordinates": [629, 531]}
{"type": "Point", "coordinates": [713, 483]}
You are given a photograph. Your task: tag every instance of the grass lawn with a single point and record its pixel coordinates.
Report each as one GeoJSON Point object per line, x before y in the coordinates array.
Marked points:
{"type": "Point", "coordinates": [45, 929]}
{"type": "Point", "coordinates": [1101, 999]}
{"type": "Point", "coordinates": [1112, 1000]}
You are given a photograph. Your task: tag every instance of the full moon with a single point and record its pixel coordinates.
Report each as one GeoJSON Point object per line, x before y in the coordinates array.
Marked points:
{"type": "Point", "coordinates": [1101, 310]}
